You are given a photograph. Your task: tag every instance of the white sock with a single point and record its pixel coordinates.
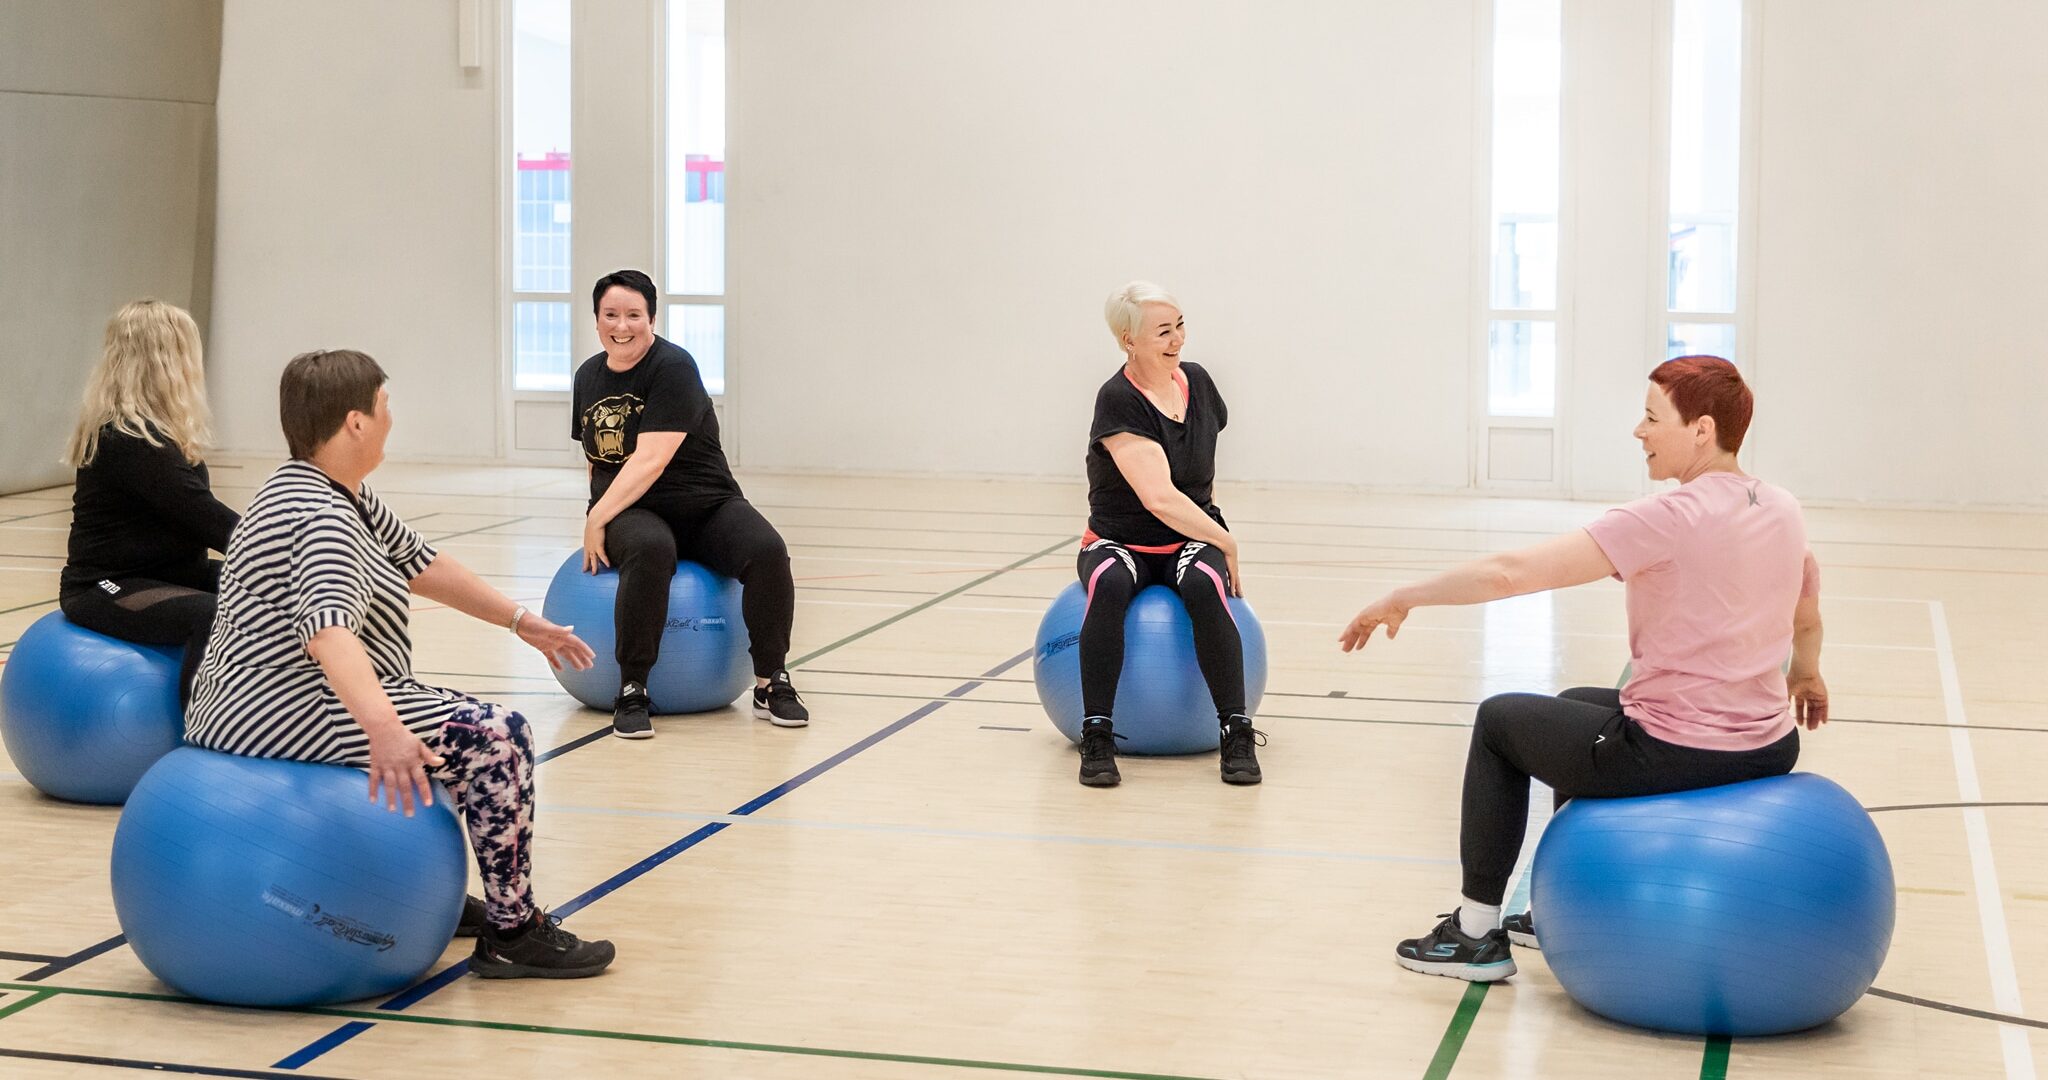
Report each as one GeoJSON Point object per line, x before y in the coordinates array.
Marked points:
{"type": "Point", "coordinates": [1477, 920]}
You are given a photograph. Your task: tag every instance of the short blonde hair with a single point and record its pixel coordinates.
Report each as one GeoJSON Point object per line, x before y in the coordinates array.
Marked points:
{"type": "Point", "coordinates": [1125, 309]}
{"type": "Point", "coordinates": [150, 382]}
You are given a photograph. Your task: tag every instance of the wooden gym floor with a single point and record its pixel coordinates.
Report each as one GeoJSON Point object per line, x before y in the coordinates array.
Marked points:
{"type": "Point", "coordinates": [916, 887]}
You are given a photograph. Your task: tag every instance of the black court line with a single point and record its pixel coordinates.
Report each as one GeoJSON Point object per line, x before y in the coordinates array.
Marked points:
{"type": "Point", "coordinates": [478, 529]}
{"type": "Point", "coordinates": [1949, 806]}
{"type": "Point", "coordinates": [64, 964]}
{"type": "Point", "coordinates": [150, 1066]}
{"type": "Point", "coordinates": [1961, 1010]}
{"type": "Point", "coordinates": [1000, 727]}
{"type": "Point", "coordinates": [29, 957]}
{"type": "Point", "coordinates": [449, 975]}
{"type": "Point", "coordinates": [25, 607]}
{"type": "Point", "coordinates": [51, 558]}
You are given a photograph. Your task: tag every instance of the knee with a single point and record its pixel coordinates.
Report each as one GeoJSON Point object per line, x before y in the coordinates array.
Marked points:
{"type": "Point", "coordinates": [1110, 584]}
{"type": "Point", "coordinates": [768, 553]}
{"type": "Point", "coordinates": [1202, 576]}
{"type": "Point", "coordinates": [1496, 714]}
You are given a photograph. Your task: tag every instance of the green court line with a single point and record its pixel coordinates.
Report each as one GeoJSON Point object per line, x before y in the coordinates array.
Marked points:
{"type": "Point", "coordinates": [378, 1016]}
{"type": "Point", "coordinates": [25, 607]}
{"type": "Point", "coordinates": [1454, 1035]}
{"type": "Point", "coordinates": [944, 596]}
{"type": "Point", "coordinates": [1714, 1063]}
{"type": "Point", "coordinates": [36, 998]}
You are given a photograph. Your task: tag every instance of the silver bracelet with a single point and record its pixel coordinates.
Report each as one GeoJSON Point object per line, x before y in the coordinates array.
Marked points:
{"type": "Point", "coordinates": [517, 614]}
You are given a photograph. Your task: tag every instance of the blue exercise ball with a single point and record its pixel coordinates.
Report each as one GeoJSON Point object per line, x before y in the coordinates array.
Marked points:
{"type": "Point", "coordinates": [1162, 703]}
{"type": "Point", "coordinates": [85, 715]}
{"type": "Point", "coordinates": [253, 881]}
{"type": "Point", "coordinates": [1748, 909]}
{"type": "Point", "coordinates": [703, 663]}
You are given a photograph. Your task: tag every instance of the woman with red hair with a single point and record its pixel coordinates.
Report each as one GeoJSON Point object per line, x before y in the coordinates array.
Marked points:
{"type": "Point", "coordinates": [1720, 586]}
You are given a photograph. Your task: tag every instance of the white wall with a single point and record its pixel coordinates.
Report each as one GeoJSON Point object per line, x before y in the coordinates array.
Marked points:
{"type": "Point", "coordinates": [929, 201]}
{"type": "Point", "coordinates": [106, 172]}
{"type": "Point", "coordinates": [359, 208]}
{"type": "Point", "coordinates": [1903, 251]}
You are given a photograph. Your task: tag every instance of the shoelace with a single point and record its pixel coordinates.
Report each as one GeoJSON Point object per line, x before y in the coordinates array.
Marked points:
{"type": "Point", "coordinates": [1234, 738]}
{"type": "Point", "coordinates": [549, 931]}
{"type": "Point", "coordinates": [1092, 741]}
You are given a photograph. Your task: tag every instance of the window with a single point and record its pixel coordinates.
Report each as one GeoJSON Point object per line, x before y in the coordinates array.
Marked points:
{"type": "Point", "coordinates": [1522, 264]}
{"type": "Point", "coordinates": [693, 305]}
{"type": "Point", "coordinates": [540, 195]}
{"type": "Point", "coordinates": [1706, 134]}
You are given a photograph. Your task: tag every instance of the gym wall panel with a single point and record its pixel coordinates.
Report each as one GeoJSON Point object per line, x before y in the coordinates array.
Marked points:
{"type": "Point", "coordinates": [929, 201]}
{"type": "Point", "coordinates": [106, 172]}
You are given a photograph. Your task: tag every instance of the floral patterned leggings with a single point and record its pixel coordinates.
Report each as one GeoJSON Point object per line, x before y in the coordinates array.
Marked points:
{"type": "Point", "coordinates": [487, 765]}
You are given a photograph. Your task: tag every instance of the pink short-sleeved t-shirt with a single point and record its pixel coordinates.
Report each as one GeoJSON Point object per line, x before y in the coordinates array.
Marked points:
{"type": "Point", "coordinates": [1713, 570]}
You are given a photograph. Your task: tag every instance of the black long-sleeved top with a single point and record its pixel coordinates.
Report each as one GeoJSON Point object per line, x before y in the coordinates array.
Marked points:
{"type": "Point", "coordinates": [142, 511]}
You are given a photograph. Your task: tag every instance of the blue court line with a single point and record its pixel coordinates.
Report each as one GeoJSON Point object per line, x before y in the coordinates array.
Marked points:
{"type": "Point", "coordinates": [978, 834]}
{"type": "Point", "coordinates": [421, 992]}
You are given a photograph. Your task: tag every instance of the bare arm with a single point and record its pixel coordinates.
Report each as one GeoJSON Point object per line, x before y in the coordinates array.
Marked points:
{"type": "Point", "coordinates": [1809, 692]}
{"type": "Point", "coordinates": [447, 581]}
{"type": "Point", "coordinates": [398, 759]}
{"type": "Point", "coordinates": [1144, 466]}
{"type": "Point", "coordinates": [652, 451]}
{"type": "Point", "coordinates": [1556, 563]}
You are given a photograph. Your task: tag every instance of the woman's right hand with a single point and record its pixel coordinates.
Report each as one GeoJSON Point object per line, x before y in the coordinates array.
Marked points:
{"type": "Point", "coordinates": [399, 761]}
{"type": "Point", "coordinates": [593, 545]}
{"type": "Point", "coordinates": [1230, 564]}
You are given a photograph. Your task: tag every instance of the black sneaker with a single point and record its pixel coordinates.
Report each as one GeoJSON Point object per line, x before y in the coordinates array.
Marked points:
{"type": "Point", "coordinates": [779, 704]}
{"type": "Point", "coordinates": [1521, 930]}
{"type": "Point", "coordinates": [1098, 753]}
{"type": "Point", "coordinates": [539, 950]}
{"type": "Point", "coordinates": [1447, 951]}
{"type": "Point", "coordinates": [475, 916]}
{"type": "Point", "coordinates": [1240, 760]}
{"type": "Point", "coordinates": [629, 713]}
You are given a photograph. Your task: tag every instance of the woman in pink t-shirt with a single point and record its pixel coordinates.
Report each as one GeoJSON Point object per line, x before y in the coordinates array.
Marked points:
{"type": "Point", "coordinates": [1720, 586]}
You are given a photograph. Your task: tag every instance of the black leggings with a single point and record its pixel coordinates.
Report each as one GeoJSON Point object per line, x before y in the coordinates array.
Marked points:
{"type": "Point", "coordinates": [1114, 574]}
{"type": "Point", "coordinates": [733, 539]}
{"type": "Point", "coordinates": [1581, 744]}
{"type": "Point", "coordinates": [150, 612]}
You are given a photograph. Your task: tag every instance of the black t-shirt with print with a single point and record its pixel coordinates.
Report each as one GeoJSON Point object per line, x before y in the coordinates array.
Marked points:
{"type": "Point", "coordinates": [663, 392]}
{"type": "Point", "coordinates": [1114, 510]}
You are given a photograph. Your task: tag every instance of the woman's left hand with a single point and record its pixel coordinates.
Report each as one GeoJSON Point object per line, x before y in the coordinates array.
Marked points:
{"type": "Point", "coordinates": [558, 643]}
{"type": "Point", "coordinates": [593, 545]}
{"type": "Point", "coordinates": [1386, 611]}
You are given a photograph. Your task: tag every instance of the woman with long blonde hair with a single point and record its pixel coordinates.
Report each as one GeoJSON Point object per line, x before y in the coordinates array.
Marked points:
{"type": "Point", "coordinates": [143, 514]}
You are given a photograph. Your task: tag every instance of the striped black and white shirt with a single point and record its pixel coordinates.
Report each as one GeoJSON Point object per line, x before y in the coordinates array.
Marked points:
{"type": "Point", "coordinates": [307, 556]}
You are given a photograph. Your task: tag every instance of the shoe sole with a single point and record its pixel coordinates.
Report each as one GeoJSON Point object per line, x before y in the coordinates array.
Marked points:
{"type": "Point", "coordinates": [1101, 781]}
{"type": "Point", "coordinates": [1243, 778]}
{"type": "Point", "coordinates": [779, 721]}
{"type": "Point", "coordinates": [525, 971]}
{"type": "Point", "coordinates": [1526, 941]}
{"type": "Point", "coordinates": [1479, 973]}
{"type": "Point", "coordinates": [617, 734]}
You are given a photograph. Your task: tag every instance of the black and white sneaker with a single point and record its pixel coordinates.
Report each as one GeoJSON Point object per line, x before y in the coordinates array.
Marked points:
{"type": "Point", "coordinates": [1447, 951]}
{"type": "Point", "coordinates": [539, 950]}
{"type": "Point", "coordinates": [629, 713]}
{"type": "Point", "coordinates": [1521, 930]}
{"type": "Point", "coordinates": [1098, 753]}
{"type": "Point", "coordinates": [779, 704]}
{"type": "Point", "coordinates": [1240, 760]}
{"type": "Point", "coordinates": [475, 916]}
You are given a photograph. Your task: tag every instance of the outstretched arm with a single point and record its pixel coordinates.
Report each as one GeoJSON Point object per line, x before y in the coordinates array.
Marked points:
{"type": "Point", "coordinates": [447, 581]}
{"type": "Point", "coordinates": [1556, 563]}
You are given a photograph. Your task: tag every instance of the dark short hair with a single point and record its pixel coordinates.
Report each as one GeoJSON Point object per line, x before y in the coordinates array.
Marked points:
{"type": "Point", "coordinates": [319, 390]}
{"type": "Point", "coordinates": [631, 279]}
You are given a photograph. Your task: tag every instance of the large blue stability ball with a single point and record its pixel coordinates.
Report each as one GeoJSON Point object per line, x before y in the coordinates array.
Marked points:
{"type": "Point", "coordinates": [703, 662]}
{"type": "Point", "coordinates": [85, 715]}
{"type": "Point", "coordinates": [1162, 703]}
{"type": "Point", "coordinates": [1749, 909]}
{"type": "Point", "coordinates": [248, 881]}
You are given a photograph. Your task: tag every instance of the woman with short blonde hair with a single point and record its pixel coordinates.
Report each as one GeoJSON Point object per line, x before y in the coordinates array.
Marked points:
{"type": "Point", "coordinates": [143, 513]}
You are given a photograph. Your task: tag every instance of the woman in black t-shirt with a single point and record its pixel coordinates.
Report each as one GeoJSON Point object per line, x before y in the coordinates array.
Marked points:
{"type": "Point", "coordinates": [660, 489]}
{"type": "Point", "coordinates": [1151, 465]}
{"type": "Point", "coordinates": [142, 513]}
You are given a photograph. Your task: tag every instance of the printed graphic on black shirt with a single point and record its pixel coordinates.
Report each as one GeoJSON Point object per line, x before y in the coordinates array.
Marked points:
{"type": "Point", "coordinates": [605, 426]}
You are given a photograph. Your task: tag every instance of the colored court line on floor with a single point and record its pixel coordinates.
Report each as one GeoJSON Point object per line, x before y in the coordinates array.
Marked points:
{"type": "Point", "coordinates": [1960, 1010]}
{"type": "Point", "coordinates": [478, 529]}
{"type": "Point", "coordinates": [442, 979]}
{"type": "Point", "coordinates": [63, 964]}
{"type": "Point", "coordinates": [1454, 1035]}
{"type": "Point", "coordinates": [1950, 805]}
{"type": "Point", "coordinates": [620, 1036]}
{"type": "Point", "coordinates": [26, 957]}
{"type": "Point", "coordinates": [33, 999]}
{"type": "Point", "coordinates": [147, 1066]}
{"type": "Point", "coordinates": [1714, 1060]}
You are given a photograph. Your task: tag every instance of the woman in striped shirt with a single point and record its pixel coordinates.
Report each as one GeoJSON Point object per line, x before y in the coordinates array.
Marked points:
{"type": "Point", "coordinates": [311, 659]}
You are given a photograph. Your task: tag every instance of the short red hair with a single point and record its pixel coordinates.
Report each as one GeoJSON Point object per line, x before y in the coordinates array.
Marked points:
{"type": "Point", "coordinates": [1708, 386]}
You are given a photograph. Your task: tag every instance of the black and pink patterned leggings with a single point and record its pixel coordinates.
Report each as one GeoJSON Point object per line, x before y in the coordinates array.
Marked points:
{"type": "Point", "coordinates": [487, 765]}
